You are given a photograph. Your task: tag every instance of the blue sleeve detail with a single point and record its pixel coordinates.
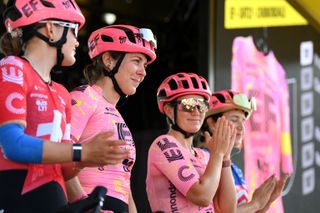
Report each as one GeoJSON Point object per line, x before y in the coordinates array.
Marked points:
{"type": "Point", "coordinates": [18, 146]}
{"type": "Point", "coordinates": [237, 175]}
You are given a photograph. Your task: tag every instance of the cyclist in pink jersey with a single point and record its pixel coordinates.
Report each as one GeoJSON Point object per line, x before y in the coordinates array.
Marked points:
{"type": "Point", "coordinates": [181, 178]}
{"type": "Point", "coordinates": [36, 153]}
{"type": "Point", "coordinates": [237, 108]}
{"type": "Point", "coordinates": [120, 55]}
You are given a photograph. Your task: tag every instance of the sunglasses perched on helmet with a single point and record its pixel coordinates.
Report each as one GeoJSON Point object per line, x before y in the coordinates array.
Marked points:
{"type": "Point", "coordinates": [190, 104]}
{"type": "Point", "coordinates": [147, 35]}
{"type": "Point", "coordinates": [242, 100]}
{"type": "Point", "coordinates": [73, 26]}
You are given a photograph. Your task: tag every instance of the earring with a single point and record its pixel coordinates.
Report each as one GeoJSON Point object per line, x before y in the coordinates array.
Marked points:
{"type": "Point", "coordinates": [51, 40]}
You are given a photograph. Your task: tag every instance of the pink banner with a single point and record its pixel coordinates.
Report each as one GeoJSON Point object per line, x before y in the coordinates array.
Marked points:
{"type": "Point", "coordinates": [267, 144]}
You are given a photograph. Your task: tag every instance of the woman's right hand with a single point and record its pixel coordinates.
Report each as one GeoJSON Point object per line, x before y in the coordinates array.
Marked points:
{"type": "Point", "coordinates": [223, 137]}
{"type": "Point", "coordinates": [262, 194]}
{"type": "Point", "coordinates": [102, 151]}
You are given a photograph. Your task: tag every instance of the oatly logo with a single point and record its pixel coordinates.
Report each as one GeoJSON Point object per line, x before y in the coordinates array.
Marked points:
{"type": "Point", "coordinates": [42, 105]}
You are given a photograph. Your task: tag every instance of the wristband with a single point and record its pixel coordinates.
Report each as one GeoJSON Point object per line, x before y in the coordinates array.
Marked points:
{"type": "Point", "coordinates": [226, 163]}
{"type": "Point", "coordinates": [76, 152]}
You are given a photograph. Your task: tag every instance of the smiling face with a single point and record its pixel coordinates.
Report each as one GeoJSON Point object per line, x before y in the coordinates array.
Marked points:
{"type": "Point", "coordinates": [191, 121]}
{"type": "Point", "coordinates": [132, 72]}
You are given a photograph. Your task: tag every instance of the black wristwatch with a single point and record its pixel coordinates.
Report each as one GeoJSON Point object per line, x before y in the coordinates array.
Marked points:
{"type": "Point", "coordinates": [76, 152]}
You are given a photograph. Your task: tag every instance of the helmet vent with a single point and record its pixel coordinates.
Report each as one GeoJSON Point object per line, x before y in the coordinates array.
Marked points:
{"type": "Point", "coordinates": [220, 98]}
{"type": "Point", "coordinates": [106, 38]}
{"type": "Point", "coordinates": [195, 83]}
{"type": "Point", "coordinates": [230, 93]}
{"type": "Point", "coordinates": [47, 4]}
{"type": "Point", "coordinates": [204, 85]}
{"type": "Point", "coordinates": [128, 33]}
{"type": "Point", "coordinates": [12, 12]}
{"type": "Point", "coordinates": [162, 93]}
{"type": "Point", "coordinates": [180, 75]}
{"type": "Point", "coordinates": [173, 84]}
{"type": "Point", "coordinates": [185, 84]}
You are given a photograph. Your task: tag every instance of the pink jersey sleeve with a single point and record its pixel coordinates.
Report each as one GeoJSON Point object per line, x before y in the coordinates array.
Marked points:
{"type": "Point", "coordinates": [83, 106]}
{"type": "Point", "coordinates": [167, 155]}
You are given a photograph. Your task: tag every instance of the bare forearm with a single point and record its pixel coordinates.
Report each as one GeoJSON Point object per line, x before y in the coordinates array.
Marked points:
{"type": "Point", "coordinates": [226, 199]}
{"type": "Point", "coordinates": [74, 189]}
{"type": "Point", "coordinates": [202, 192]}
{"type": "Point", "coordinates": [56, 152]}
{"type": "Point", "coordinates": [132, 205]}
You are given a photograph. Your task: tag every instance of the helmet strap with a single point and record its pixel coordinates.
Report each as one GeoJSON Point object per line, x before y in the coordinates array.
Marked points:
{"type": "Point", "coordinates": [58, 44]}
{"type": "Point", "coordinates": [176, 127]}
{"type": "Point", "coordinates": [111, 74]}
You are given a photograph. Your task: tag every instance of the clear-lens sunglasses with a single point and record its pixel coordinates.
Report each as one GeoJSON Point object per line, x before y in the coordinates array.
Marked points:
{"type": "Point", "coordinates": [147, 35]}
{"type": "Point", "coordinates": [73, 26]}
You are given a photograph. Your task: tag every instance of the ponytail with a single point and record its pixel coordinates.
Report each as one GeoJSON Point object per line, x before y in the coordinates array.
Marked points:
{"type": "Point", "coordinates": [10, 45]}
{"type": "Point", "coordinates": [93, 72]}
{"type": "Point", "coordinates": [13, 43]}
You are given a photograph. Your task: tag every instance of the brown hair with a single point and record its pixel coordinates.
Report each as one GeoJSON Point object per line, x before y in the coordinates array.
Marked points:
{"type": "Point", "coordinates": [10, 45]}
{"type": "Point", "coordinates": [94, 71]}
{"type": "Point", "coordinates": [13, 45]}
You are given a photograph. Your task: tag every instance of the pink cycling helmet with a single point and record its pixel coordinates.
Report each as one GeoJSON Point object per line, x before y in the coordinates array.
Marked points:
{"type": "Point", "coordinates": [181, 84]}
{"type": "Point", "coordinates": [226, 100]}
{"type": "Point", "coordinates": [26, 12]}
{"type": "Point", "coordinates": [122, 38]}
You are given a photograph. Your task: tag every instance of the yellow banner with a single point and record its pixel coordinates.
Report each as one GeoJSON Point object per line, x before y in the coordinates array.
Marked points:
{"type": "Point", "coordinates": [260, 13]}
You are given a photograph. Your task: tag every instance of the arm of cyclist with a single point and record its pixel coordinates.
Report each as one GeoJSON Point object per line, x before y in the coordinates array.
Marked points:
{"type": "Point", "coordinates": [203, 191]}
{"type": "Point", "coordinates": [21, 147]}
{"type": "Point", "coordinates": [74, 190]}
{"type": "Point", "coordinates": [226, 199]}
{"type": "Point", "coordinates": [132, 205]}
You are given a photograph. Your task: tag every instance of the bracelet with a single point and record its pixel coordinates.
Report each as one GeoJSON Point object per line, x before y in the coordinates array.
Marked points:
{"type": "Point", "coordinates": [226, 163]}
{"type": "Point", "coordinates": [76, 152]}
